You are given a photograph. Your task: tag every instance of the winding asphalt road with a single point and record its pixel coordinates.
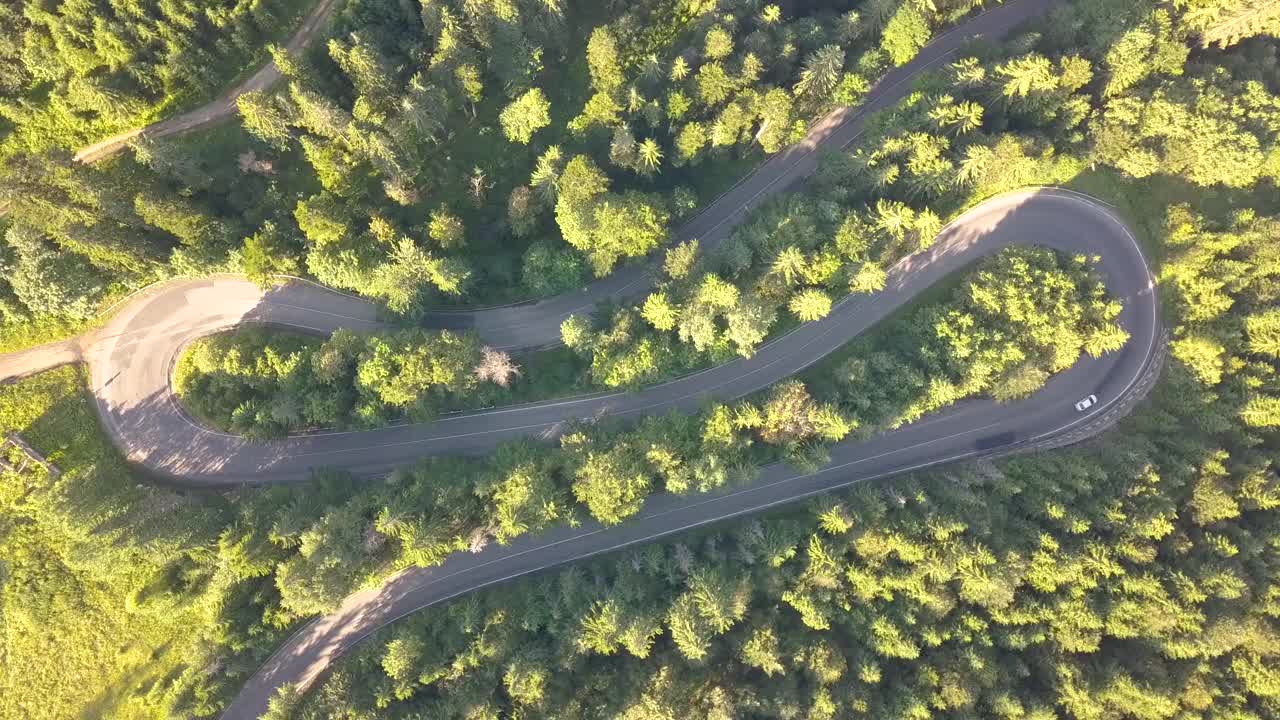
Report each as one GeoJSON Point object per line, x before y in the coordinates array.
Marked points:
{"type": "Point", "coordinates": [131, 358]}
{"type": "Point", "coordinates": [1049, 218]}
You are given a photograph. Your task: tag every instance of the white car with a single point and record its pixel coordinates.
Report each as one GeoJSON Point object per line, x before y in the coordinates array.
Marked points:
{"type": "Point", "coordinates": [1086, 403]}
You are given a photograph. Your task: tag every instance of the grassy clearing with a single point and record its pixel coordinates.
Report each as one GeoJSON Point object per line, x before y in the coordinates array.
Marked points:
{"type": "Point", "coordinates": [74, 641]}
{"type": "Point", "coordinates": [23, 335]}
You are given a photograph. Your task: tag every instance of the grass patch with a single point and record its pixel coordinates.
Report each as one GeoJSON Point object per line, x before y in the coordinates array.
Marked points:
{"type": "Point", "coordinates": [547, 374]}
{"type": "Point", "coordinates": [74, 639]}
{"type": "Point", "coordinates": [16, 336]}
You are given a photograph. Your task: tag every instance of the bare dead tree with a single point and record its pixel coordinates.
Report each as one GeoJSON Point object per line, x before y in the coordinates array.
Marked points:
{"type": "Point", "coordinates": [497, 367]}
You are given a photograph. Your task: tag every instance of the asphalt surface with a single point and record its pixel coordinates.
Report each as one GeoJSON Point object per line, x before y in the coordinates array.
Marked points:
{"type": "Point", "coordinates": [131, 359]}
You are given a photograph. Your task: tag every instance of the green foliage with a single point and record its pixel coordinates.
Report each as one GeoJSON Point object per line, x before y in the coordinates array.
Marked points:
{"type": "Point", "coordinates": [1132, 576]}
{"type": "Point", "coordinates": [1017, 318]}
{"type": "Point", "coordinates": [906, 33]}
{"type": "Point", "coordinates": [446, 229]}
{"type": "Point", "coordinates": [267, 384]}
{"type": "Point", "coordinates": [48, 283]}
{"type": "Point", "coordinates": [810, 305]}
{"type": "Point", "coordinates": [404, 281]}
{"type": "Point", "coordinates": [283, 704]}
{"type": "Point", "coordinates": [75, 73]}
{"type": "Point", "coordinates": [104, 604]}
{"type": "Point", "coordinates": [269, 252]}
{"type": "Point", "coordinates": [789, 414]}
{"type": "Point", "coordinates": [263, 117]}
{"type": "Point", "coordinates": [612, 484]}
{"type": "Point", "coordinates": [1225, 22]}
{"type": "Point", "coordinates": [1209, 130]}
{"type": "Point", "coordinates": [603, 225]}
{"type": "Point", "coordinates": [525, 116]}
{"type": "Point", "coordinates": [550, 271]}
{"type": "Point", "coordinates": [604, 61]}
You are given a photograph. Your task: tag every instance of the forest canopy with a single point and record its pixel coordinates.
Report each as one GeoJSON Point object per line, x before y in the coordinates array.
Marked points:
{"type": "Point", "coordinates": [422, 154]}
{"type": "Point", "coordinates": [75, 71]}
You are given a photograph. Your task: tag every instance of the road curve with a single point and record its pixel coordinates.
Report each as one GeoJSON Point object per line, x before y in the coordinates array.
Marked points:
{"type": "Point", "coordinates": [1049, 218]}
{"type": "Point", "coordinates": [132, 356]}
{"type": "Point", "coordinates": [131, 359]}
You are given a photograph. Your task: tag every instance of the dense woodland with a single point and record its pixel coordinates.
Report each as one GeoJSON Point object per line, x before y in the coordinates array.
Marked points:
{"type": "Point", "coordinates": [263, 384]}
{"type": "Point", "coordinates": [75, 71]}
{"type": "Point", "coordinates": [432, 152]}
{"type": "Point", "coordinates": [992, 121]}
{"type": "Point", "coordinates": [1137, 575]}
{"type": "Point", "coordinates": [258, 562]}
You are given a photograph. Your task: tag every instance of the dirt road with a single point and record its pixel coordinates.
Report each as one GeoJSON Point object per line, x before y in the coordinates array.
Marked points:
{"type": "Point", "coordinates": [225, 106]}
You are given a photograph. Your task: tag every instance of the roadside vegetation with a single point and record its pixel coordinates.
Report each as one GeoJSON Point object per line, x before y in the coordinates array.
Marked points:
{"type": "Point", "coordinates": [73, 73]}
{"type": "Point", "coordinates": [264, 383]}
{"type": "Point", "coordinates": [97, 614]}
{"type": "Point", "coordinates": [248, 565]}
{"type": "Point", "coordinates": [420, 153]}
{"type": "Point", "coordinates": [1006, 328]}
